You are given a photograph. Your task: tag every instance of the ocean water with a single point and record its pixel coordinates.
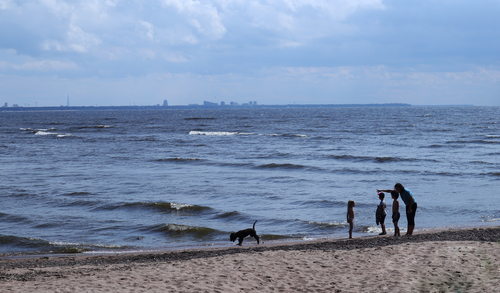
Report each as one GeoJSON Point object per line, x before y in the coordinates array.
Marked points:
{"type": "Point", "coordinates": [86, 181]}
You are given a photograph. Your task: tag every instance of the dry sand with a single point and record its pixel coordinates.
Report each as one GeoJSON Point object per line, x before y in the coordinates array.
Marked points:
{"type": "Point", "coordinates": [447, 261]}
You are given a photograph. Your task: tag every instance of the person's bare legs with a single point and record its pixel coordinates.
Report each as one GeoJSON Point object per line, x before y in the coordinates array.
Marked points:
{"type": "Point", "coordinates": [410, 230]}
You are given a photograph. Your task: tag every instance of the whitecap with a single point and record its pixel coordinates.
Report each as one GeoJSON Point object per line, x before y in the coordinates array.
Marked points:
{"type": "Point", "coordinates": [179, 206]}
{"type": "Point", "coordinates": [212, 133]}
{"type": "Point", "coordinates": [45, 133]}
{"type": "Point", "coordinates": [490, 220]}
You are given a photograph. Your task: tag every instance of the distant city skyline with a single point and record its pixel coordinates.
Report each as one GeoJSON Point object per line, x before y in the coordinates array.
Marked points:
{"type": "Point", "coordinates": [55, 53]}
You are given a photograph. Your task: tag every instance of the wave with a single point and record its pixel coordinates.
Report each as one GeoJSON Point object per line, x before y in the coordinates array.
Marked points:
{"type": "Point", "coordinates": [226, 215]}
{"type": "Point", "coordinates": [58, 135]}
{"type": "Point", "coordinates": [100, 126]}
{"type": "Point", "coordinates": [438, 130]}
{"type": "Point", "coordinates": [15, 219]}
{"type": "Point", "coordinates": [327, 224]}
{"type": "Point", "coordinates": [199, 118]}
{"type": "Point", "coordinates": [287, 166]}
{"type": "Point", "coordinates": [271, 237]}
{"type": "Point", "coordinates": [77, 203]}
{"type": "Point", "coordinates": [320, 203]}
{"type": "Point", "coordinates": [178, 160]}
{"type": "Point", "coordinates": [481, 162]}
{"type": "Point", "coordinates": [205, 162]}
{"type": "Point", "coordinates": [158, 206]}
{"type": "Point", "coordinates": [227, 133]}
{"type": "Point", "coordinates": [22, 245]}
{"type": "Point", "coordinates": [78, 193]}
{"type": "Point", "coordinates": [147, 139]}
{"type": "Point", "coordinates": [41, 132]}
{"type": "Point", "coordinates": [183, 231]}
{"type": "Point", "coordinates": [189, 160]}
{"type": "Point", "coordinates": [377, 159]}
{"type": "Point", "coordinates": [22, 194]}
{"type": "Point", "coordinates": [496, 174]}
{"type": "Point", "coordinates": [212, 133]}
{"type": "Point", "coordinates": [477, 141]}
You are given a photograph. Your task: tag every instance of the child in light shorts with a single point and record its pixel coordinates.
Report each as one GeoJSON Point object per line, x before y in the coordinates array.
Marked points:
{"type": "Point", "coordinates": [395, 212]}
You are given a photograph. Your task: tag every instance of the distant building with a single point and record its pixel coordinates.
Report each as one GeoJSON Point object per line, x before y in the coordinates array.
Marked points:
{"type": "Point", "coordinates": [6, 105]}
{"type": "Point", "coordinates": [233, 104]}
{"type": "Point", "coordinates": [222, 103]}
{"type": "Point", "coordinates": [209, 104]}
{"type": "Point", "coordinates": [15, 105]}
{"type": "Point", "coordinates": [165, 103]}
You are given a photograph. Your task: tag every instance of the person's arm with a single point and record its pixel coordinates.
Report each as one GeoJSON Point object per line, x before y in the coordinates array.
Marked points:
{"type": "Point", "coordinates": [385, 190]}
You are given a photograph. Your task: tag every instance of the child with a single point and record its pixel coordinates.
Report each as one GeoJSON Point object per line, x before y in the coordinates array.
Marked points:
{"type": "Point", "coordinates": [350, 216]}
{"type": "Point", "coordinates": [395, 212]}
{"type": "Point", "coordinates": [381, 213]}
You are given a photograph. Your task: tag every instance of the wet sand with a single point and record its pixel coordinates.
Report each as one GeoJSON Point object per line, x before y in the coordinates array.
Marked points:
{"type": "Point", "coordinates": [460, 260]}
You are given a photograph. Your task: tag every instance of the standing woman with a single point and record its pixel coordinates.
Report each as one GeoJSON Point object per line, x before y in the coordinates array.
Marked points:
{"type": "Point", "coordinates": [411, 205]}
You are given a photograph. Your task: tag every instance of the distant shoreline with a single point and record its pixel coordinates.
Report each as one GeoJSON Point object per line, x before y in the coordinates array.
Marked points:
{"type": "Point", "coordinates": [210, 107]}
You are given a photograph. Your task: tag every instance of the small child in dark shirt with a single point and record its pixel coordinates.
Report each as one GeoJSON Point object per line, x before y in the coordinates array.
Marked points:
{"type": "Point", "coordinates": [381, 213]}
{"type": "Point", "coordinates": [350, 216]}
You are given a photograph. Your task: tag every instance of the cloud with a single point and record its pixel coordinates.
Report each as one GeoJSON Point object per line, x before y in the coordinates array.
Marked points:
{"type": "Point", "coordinates": [43, 65]}
{"type": "Point", "coordinates": [76, 40]}
{"type": "Point", "coordinates": [344, 43]}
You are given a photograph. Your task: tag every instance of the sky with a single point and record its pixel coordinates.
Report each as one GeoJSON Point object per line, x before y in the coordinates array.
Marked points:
{"type": "Point", "coordinates": [136, 52]}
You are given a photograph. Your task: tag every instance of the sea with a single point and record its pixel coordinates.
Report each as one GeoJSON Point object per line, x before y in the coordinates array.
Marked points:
{"type": "Point", "coordinates": [112, 181]}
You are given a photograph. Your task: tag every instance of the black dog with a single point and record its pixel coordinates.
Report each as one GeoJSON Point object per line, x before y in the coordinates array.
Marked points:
{"type": "Point", "coordinates": [244, 233]}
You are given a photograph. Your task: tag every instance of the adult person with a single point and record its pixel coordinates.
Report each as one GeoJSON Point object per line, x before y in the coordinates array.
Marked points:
{"type": "Point", "coordinates": [411, 205]}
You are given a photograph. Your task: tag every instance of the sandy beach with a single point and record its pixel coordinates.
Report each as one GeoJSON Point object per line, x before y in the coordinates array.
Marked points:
{"type": "Point", "coordinates": [463, 260]}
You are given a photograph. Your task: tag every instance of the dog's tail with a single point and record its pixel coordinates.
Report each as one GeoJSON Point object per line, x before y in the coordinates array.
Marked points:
{"type": "Point", "coordinates": [254, 224]}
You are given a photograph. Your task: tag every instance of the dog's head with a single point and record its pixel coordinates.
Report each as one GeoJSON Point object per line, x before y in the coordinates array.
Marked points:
{"type": "Point", "coordinates": [232, 237]}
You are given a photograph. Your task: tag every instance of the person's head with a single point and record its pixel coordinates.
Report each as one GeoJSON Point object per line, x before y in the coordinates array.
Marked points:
{"type": "Point", "coordinates": [381, 195]}
{"type": "Point", "coordinates": [399, 187]}
{"type": "Point", "coordinates": [394, 194]}
{"type": "Point", "coordinates": [350, 204]}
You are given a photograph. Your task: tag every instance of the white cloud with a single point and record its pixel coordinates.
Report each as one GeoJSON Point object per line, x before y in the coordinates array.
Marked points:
{"type": "Point", "coordinates": [43, 65]}
{"type": "Point", "coordinates": [147, 53]}
{"type": "Point", "coordinates": [149, 28]}
{"type": "Point", "coordinates": [203, 17]}
{"type": "Point", "coordinates": [175, 57]}
{"type": "Point", "coordinates": [76, 40]}
{"type": "Point", "coordinates": [4, 4]}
